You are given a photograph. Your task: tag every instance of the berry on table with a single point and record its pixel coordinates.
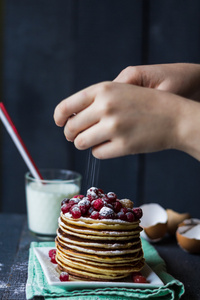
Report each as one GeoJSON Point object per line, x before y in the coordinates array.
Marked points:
{"type": "Point", "coordinates": [137, 277]}
{"type": "Point", "coordinates": [64, 276]}
{"type": "Point", "coordinates": [53, 259]}
{"type": "Point", "coordinates": [51, 252]}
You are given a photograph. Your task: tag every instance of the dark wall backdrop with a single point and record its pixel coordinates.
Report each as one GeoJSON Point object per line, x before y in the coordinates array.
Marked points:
{"type": "Point", "coordinates": [52, 49]}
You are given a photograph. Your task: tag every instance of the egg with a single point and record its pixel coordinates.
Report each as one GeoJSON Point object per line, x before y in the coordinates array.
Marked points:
{"type": "Point", "coordinates": [153, 222]}
{"type": "Point", "coordinates": [174, 219]}
{"type": "Point", "coordinates": [188, 235]}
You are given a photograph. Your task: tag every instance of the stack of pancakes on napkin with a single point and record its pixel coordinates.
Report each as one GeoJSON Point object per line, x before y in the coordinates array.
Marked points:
{"type": "Point", "coordinates": [98, 249]}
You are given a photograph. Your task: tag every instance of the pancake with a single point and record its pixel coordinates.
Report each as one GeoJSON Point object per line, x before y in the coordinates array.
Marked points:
{"type": "Point", "coordinates": [98, 239]}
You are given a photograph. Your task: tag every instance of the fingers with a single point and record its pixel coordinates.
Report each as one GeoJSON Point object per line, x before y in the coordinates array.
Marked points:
{"type": "Point", "coordinates": [130, 75]}
{"type": "Point", "coordinates": [93, 136]}
{"type": "Point", "coordinates": [109, 149]}
{"type": "Point", "coordinates": [73, 105]}
{"type": "Point", "coordinates": [80, 122]}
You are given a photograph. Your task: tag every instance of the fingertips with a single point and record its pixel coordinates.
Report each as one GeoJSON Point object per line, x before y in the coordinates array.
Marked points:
{"type": "Point", "coordinates": [60, 116]}
{"type": "Point", "coordinates": [107, 150]}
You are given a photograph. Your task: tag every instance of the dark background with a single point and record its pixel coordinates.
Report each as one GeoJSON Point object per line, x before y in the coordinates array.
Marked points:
{"type": "Point", "coordinates": [51, 49]}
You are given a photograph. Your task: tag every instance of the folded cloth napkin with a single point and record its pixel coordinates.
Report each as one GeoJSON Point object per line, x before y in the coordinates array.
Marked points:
{"type": "Point", "coordinates": [37, 284]}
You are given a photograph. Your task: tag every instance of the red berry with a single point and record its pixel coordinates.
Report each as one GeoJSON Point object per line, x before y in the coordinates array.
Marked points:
{"type": "Point", "coordinates": [108, 205]}
{"type": "Point", "coordinates": [117, 206]}
{"type": "Point", "coordinates": [90, 210]}
{"type": "Point", "coordinates": [124, 210]}
{"type": "Point", "coordinates": [73, 201]}
{"type": "Point", "coordinates": [53, 259]}
{"type": "Point", "coordinates": [121, 215]}
{"type": "Point", "coordinates": [66, 207]}
{"type": "Point", "coordinates": [94, 215]}
{"type": "Point", "coordinates": [130, 217]}
{"type": "Point", "coordinates": [100, 191]}
{"type": "Point", "coordinates": [75, 211]}
{"type": "Point", "coordinates": [84, 205]}
{"type": "Point", "coordinates": [66, 200]}
{"type": "Point", "coordinates": [138, 213]}
{"type": "Point", "coordinates": [139, 279]}
{"type": "Point", "coordinates": [51, 252]}
{"type": "Point", "coordinates": [79, 196]}
{"type": "Point", "coordinates": [64, 276]}
{"type": "Point", "coordinates": [111, 196]}
{"type": "Point", "coordinates": [93, 193]}
{"type": "Point", "coordinates": [106, 213]}
{"type": "Point", "coordinates": [98, 204]}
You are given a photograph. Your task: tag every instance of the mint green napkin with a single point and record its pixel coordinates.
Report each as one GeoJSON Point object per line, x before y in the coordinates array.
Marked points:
{"type": "Point", "coordinates": [37, 284]}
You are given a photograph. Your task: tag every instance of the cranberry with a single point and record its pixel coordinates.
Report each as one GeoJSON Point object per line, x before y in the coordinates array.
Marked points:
{"type": "Point", "coordinates": [130, 217]}
{"type": "Point", "coordinates": [64, 276]}
{"type": "Point", "coordinates": [66, 208]}
{"type": "Point", "coordinates": [111, 196]}
{"type": "Point", "coordinates": [84, 205]}
{"type": "Point", "coordinates": [75, 211]}
{"type": "Point", "coordinates": [100, 191]}
{"type": "Point", "coordinates": [90, 210]}
{"type": "Point", "coordinates": [139, 279]}
{"type": "Point", "coordinates": [74, 200]}
{"type": "Point", "coordinates": [117, 206]}
{"type": "Point", "coordinates": [53, 259]}
{"type": "Point", "coordinates": [121, 215]}
{"type": "Point", "coordinates": [106, 213]}
{"type": "Point", "coordinates": [66, 200]}
{"type": "Point", "coordinates": [98, 204]}
{"type": "Point", "coordinates": [79, 196]}
{"type": "Point", "coordinates": [138, 213]}
{"type": "Point", "coordinates": [51, 252]}
{"type": "Point", "coordinates": [94, 215]}
{"type": "Point", "coordinates": [108, 205]}
{"type": "Point", "coordinates": [124, 210]}
{"type": "Point", "coordinates": [92, 193]}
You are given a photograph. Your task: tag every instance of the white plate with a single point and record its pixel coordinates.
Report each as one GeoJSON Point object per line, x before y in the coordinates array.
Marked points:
{"type": "Point", "coordinates": [52, 275]}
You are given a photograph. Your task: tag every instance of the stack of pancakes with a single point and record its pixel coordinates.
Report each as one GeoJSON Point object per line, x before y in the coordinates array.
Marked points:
{"type": "Point", "coordinates": [98, 250]}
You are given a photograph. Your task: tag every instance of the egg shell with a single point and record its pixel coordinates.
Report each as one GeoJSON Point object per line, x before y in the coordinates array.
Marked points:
{"type": "Point", "coordinates": [188, 236]}
{"type": "Point", "coordinates": [174, 219]}
{"type": "Point", "coordinates": [154, 221]}
{"type": "Point", "coordinates": [157, 231]}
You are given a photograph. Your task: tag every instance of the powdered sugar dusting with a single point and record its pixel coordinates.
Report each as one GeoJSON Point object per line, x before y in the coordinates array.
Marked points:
{"type": "Point", "coordinates": [84, 202]}
{"type": "Point", "coordinates": [82, 220]}
{"type": "Point", "coordinates": [106, 211]}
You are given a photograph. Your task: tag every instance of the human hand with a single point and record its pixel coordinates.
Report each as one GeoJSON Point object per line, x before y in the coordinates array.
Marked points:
{"type": "Point", "coordinates": [118, 119]}
{"type": "Point", "coordinates": [181, 78]}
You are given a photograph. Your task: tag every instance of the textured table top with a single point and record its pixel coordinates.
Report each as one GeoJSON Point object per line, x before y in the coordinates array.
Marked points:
{"type": "Point", "coordinates": [15, 240]}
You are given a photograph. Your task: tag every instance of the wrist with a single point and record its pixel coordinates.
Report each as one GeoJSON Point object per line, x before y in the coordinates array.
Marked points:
{"type": "Point", "coordinates": [188, 128]}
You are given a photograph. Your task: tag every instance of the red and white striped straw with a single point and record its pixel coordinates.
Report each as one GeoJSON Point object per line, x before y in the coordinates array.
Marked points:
{"type": "Point", "coordinates": [8, 123]}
